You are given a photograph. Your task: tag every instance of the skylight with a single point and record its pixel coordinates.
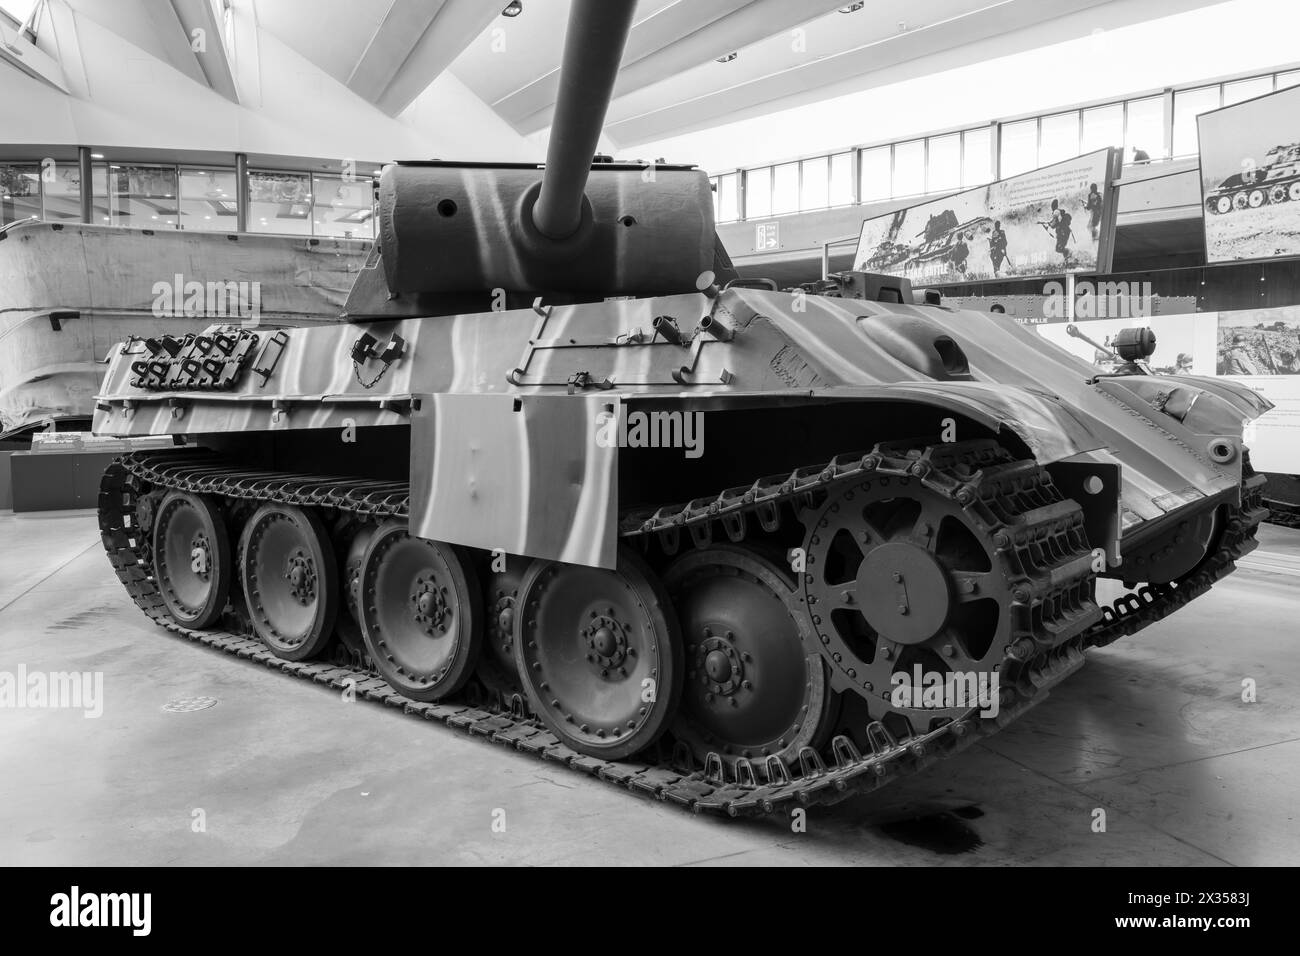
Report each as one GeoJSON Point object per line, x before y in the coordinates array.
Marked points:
{"type": "Point", "coordinates": [18, 9]}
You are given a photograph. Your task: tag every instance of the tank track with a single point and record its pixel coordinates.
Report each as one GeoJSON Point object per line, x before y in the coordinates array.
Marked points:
{"type": "Point", "coordinates": [748, 789]}
{"type": "Point", "coordinates": [1282, 499]}
{"type": "Point", "coordinates": [1151, 602]}
{"type": "Point", "coordinates": [1282, 513]}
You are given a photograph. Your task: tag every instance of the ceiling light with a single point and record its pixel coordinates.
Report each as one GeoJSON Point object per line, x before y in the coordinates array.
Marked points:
{"type": "Point", "coordinates": [96, 155]}
{"type": "Point", "coordinates": [852, 8]}
{"type": "Point", "coordinates": [729, 57]}
{"type": "Point", "coordinates": [513, 9]}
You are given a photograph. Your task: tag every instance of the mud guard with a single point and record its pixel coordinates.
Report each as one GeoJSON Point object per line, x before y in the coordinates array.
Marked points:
{"type": "Point", "coordinates": [528, 477]}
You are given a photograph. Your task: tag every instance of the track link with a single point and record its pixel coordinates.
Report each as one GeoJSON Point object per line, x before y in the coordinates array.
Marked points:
{"type": "Point", "coordinates": [841, 770]}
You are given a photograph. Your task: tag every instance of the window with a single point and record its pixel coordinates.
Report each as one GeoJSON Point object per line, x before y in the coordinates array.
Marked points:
{"type": "Point", "coordinates": [977, 157]}
{"type": "Point", "coordinates": [909, 168]}
{"type": "Point", "coordinates": [785, 189]}
{"type": "Point", "coordinates": [279, 202]}
{"type": "Point", "coordinates": [728, 204]}
{"type": "Point", "coordinates": [1019, 147]}
{"type": "Point", "coordinates": [61, 189]}
{"type": "Point", "coordinates": [1058, 138]}
{"type": "Point", "coordinates": [1246, 89]}
{"type": "Point", "coordinates": [20, 192]}
{"type": "Point", "coordinates": [713, 188]}
{"type": "Point", "coordinates": [873, 174]}
{"type": "Point", "coordinates": [814, 186]}
{"type": "Point", "coordinates": [841, 193]}
{"type": "Point", "coordinates": [208, 200]}
{"type": "Point", "coordinates": [1188, 104]}
{"type": "Point", "coordinates": [143, 196]}
{"type": "Point", "coordinates": [943, 164]}
{"type": "Point", "coordinates": [100, 201]}
{"type": "Point", "coordinates": [1103, 126]}
{"type": "Point", "coordinates": [1145, 127]}
{"type": "Point", "coordinates": [1285, 80]}
{"type": "Point", "coordinates": [758, 193]}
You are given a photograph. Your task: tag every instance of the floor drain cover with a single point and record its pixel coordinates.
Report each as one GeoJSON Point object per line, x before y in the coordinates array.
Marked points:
{"type": "Point", "coordinates": [184, 705]}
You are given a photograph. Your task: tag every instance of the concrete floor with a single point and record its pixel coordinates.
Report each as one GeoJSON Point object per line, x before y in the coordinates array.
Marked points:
{"type": "Point", "coordinates": [1152, 731]}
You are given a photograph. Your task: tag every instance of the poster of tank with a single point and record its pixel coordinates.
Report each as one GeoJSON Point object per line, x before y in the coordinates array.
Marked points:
{"type": "Point", "coordinates": [1261, 342]}
{"type": "Point", "coordinates": [1250, 178]}
{"type": "Point", "coordinates": [1046, 222]}
{"type": "Point", "coordinates": [1092, 341]}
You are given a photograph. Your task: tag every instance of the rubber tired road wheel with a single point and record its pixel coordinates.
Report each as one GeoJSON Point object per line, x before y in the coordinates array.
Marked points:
{"type": "Point", "coordinates": [421, 613]}
{"type": "Point", "coordinates": [192, 558]}
{"type": "Point", "coordinates": [291, 580]}
{"type": "Point", "coordinates": [599, 653]}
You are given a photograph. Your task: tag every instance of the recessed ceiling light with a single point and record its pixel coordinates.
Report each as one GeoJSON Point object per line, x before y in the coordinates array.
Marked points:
{"type": "Point", "coordinates": [96, 155]}
{"type": "Point", "coordinates": [513, 9]}
{"type": "Point", "coordinates": [729, 57]}
{"type": "Point", "coordinates": [852, 8]}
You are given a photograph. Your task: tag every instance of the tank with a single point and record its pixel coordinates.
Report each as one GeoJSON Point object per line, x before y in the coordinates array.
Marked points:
{"type": "Point", "coordinates": [1276, 180]}
{"type": "Point", "coordinates": [564, 481]}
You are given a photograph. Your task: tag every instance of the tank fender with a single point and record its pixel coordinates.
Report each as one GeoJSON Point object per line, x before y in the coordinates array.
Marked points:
{"type": "Point", "coordinates": [521, 475]}
{"type": "Point", "coordinates": [1216, 412]}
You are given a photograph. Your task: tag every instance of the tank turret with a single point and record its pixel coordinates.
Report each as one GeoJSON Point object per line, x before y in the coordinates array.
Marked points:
{"type": "Point", "coordinates": [573, 229]}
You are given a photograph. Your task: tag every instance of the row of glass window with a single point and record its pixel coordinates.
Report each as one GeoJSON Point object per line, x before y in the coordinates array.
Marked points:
{"type": "Point", "coordinates": [953, 161]}
{"type": "Point", "coordinates": [172, 197]}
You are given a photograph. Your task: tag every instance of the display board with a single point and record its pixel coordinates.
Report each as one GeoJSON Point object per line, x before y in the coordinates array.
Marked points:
{"type": "Point", "coordinates": [1057, 219]}
{"type": "Point", "coordinates": [1250, 178]}
{"type": "Point", "coordinates": [1258, 348]}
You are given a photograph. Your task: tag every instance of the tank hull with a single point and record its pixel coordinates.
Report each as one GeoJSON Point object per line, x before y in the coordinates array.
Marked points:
{"type": "Point", "coordinates": [834, 353]}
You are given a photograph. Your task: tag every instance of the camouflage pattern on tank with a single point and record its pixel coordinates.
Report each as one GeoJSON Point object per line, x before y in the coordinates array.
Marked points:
{"type": "Point", "coordinates": [785, 348]}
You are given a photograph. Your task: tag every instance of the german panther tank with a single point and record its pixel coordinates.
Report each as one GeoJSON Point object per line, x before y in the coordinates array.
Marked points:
{"type": "Point", "coordinates": [564, 481]}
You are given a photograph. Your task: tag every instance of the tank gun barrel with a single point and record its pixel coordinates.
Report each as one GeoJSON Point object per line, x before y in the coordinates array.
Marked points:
{"type": "Point", "coordinates": [593, 48]}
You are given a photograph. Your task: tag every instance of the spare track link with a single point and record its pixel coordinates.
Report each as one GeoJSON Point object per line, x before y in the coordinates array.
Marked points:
{"type": "Point", "coordinates": [748, 790]}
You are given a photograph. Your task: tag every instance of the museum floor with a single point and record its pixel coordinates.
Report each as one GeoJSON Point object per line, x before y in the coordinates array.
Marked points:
{"type": "Point", "coordinates": [1152, 730]}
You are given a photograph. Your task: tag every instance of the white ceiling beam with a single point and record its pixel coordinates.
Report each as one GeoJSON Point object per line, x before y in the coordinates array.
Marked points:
{"type": "Point", "coordinates": [391, 44]}
{"type": "Point", "coordinates": [677, 38]}
{"type": "Point", "coordinates": [458, 22]}
{"type": "Point", "coordinates": [205, 36]}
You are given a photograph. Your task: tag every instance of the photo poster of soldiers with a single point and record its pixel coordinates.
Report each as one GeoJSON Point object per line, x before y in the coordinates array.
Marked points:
{"type": "Point", "coordinates": [1259, 342]}
{"type": "Point", "coordinates": [1046, 222]}
{"type": "Point", "coordinates": [1261, 348]}
{"type": "Point", "coordinates": [1250, 178]}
